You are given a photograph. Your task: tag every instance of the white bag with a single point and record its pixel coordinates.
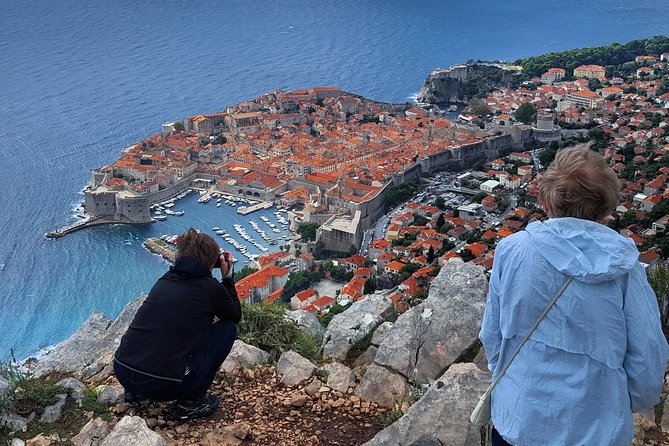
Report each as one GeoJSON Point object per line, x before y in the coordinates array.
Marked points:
{"type": "Point", "coordinates": [481, 414]}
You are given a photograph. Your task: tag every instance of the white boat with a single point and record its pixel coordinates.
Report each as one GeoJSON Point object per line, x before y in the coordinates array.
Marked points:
{"type": "Point", "coordinates": [160, 217]}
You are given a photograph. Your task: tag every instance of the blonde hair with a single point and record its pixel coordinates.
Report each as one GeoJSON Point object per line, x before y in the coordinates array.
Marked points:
{"type": "Point", "coordinates": [198, 245]}
{"type": "Point", "coordinates": [579, 184]}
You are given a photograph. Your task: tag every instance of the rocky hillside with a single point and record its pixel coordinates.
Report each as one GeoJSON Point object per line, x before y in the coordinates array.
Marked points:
{"type": "Point", "coordinates": [383, 379]}
{"type": "Point", "coordinates": [460, 83]}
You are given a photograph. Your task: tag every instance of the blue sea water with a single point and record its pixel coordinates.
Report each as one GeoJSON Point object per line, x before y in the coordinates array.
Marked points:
{"type": "Point", "coordinates": [80, 80]}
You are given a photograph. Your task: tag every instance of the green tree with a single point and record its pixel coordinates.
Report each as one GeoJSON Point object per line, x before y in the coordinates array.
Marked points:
{"type": "Point", "coordinates": [179, 126]}
{"type": "Point", "coordinates": [430, 255]}
{"type": "Point", "coordinates": [247, 270]}
{"type": "Point", "coordinates": [419, 220]}
{"type": "Point", "coordinates": [659, 281]}
{"type": "Point", "coordinates": [526, 113]}
{"type": "Point", "coordinates": [308, 231]}
{"type": "Point", "coordinates": [370, 286]}
{"type": "Point", "coordinates": [439, 202]}
{"type": "Point", "coordinates": [441, 221]}
{"type": "Point", "coordinates": [467, 255]}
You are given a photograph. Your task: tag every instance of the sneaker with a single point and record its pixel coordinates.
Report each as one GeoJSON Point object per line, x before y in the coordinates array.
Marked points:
{"type": "Point", "coordinates": [202, 407]}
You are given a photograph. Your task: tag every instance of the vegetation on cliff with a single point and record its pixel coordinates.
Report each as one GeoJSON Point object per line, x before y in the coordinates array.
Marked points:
{"type": "Point", "coordinates": [608, 56]}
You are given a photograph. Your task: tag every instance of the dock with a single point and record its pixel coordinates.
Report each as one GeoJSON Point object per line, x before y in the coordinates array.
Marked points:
{"type": "Point", "coordinates": [62, 232]}
{"type": "Point", "coordinates": [255, 207]}
{"type": "Point", "coordinates": [157, 246]}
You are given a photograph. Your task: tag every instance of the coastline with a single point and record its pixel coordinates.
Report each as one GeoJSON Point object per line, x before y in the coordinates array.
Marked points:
{"type": "Point", "coordinates": [159, 247]}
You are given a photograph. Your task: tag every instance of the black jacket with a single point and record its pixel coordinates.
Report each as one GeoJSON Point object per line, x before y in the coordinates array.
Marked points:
{"type": "Point", "coordinates": [173, 321]}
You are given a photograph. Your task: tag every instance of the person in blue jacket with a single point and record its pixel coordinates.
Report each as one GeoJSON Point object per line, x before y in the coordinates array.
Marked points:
{"type": "Point", "coordinates": [599, 355]}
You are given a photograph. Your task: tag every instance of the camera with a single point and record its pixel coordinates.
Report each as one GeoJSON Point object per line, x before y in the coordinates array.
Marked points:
{"type": "Point", "coordinates": [218, 261]}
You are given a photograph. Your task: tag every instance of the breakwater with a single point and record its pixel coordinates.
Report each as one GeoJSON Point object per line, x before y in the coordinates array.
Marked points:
{"type": "Point", "coordinates": [157, 246]}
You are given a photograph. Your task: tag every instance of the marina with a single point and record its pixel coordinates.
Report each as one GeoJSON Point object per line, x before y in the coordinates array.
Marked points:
{"type": "Point", "coordinates": [219, 215]}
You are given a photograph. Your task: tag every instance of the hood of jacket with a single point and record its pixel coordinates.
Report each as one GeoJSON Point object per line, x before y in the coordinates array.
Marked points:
{"type": "Point", "coordinates": [583, 249]}
{"type": "Point", "coordinates": [190, 266]}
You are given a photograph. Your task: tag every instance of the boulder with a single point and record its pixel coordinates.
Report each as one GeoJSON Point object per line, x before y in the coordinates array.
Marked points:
{"type": "Point", "coordinates": [429, 337]}
{"type": "Point", "coordinates": [481, 360]}
{"type": "Point", "coordinates": [381, 333]}
{"type": "Point", "coordinates": [13, 421]}
{"type": "Point", "coordinates": [339, 376]}
{"type": "Point", "coordinates": [355, 323]}
{"type": "Point", "coordinates": [40, 440]}
{"type": "Point", "coordinates": [294, 369]}
{"type": "Point", "coordinates": [78, 351]}
{"type": "Point", "coordinates": [382, 386]}
{"type": "Point", "coordinates": [111, 394]}
{"type": "Point", "coordinates": [132, 431]}
{"type": "Point", "coordinates": [5, 387]}
{"type": "Point", "coordinates": [92, 433]}
{"type": "Point", "coordinates": [88, 353]}
{"type": "Point", "coordinates": [76, 389]}
{"type": "Point", "coordinates": [309, 322]}
{"type": "Point", "coordinates": [243, 355]}
{"type": "Point", "coordinates": [366, 358]}
{"type": "Point", "coordinates": [449, 401]}
{"type": "Point", "coordinates": [53, 412]}
{"type": "Point", "coordinates": [17, 442]}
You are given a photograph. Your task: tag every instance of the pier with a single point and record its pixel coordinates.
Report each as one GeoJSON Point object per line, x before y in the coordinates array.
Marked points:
{"type": "Point", "coordinates": [58, 233]}
{"type": "Point", "coordinates": [255, 207]}
{"type": "Point", "coordinates": [157, 246]}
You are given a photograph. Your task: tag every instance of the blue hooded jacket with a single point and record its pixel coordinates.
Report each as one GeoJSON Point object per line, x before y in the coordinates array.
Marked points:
{"type": "Point", "coordinates": [598, 355]}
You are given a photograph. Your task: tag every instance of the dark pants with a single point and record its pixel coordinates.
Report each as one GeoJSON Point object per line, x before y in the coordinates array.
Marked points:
{"type": "Point", "coordinates": [497, 439]}
{"type": "Point", "coordinates": [203, 364]}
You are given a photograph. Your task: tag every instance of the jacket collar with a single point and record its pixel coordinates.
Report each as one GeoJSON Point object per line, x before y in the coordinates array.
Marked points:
{"type": "Point", "coordinates": [190, 266]}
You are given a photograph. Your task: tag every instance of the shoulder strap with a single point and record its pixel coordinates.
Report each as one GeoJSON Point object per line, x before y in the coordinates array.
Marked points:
{"type": "Point", "coordinates": [534, 327]}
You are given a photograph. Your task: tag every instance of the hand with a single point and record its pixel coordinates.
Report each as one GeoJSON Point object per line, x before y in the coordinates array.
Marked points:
{"type": "Point", "coordinates": [225, 264]}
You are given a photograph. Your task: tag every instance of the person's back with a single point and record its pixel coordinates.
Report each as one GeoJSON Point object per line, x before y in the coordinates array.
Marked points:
{"type": "Point", "coordinates": [599, 353]}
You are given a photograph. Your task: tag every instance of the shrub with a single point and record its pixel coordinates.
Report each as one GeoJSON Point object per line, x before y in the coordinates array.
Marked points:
{"type": "Point", "coordinates": [266, 327]}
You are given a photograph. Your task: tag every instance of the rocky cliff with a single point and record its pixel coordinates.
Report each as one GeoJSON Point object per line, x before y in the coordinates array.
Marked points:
{"type": "Point", "coordinates": [384, 379]}
{"type": "Point", "coordinates": [460, 83]}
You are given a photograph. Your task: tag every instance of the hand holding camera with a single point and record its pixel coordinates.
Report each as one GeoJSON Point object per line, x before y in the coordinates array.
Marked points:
{"type": "Point", "coordinates": [225, 263]}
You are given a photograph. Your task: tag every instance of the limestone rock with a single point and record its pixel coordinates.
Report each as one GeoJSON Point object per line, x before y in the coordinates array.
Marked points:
{"type": "Point", "coordinates": [221, 438]}
{"type": "Point", "coordinates": [425, 340]}
{"type": "Point", "coordinates": [17, 442]}
{"type": "Point", "coordinates": [5, 386]}
{"type": "Point", "coordinates": [339, 376]}
{"type": "Point", "coordinates": [13, 421]}
{"type": "Point", "coordinates": [664, 423]}
{"type": "Point", "coordinates": [380, 385]}
{"type": "Point", "coordinates": [294, 369]}
{"type": "Point", "coordinates": [309, 322]}
{"type": "Point", "coordinates": [366, 358]}
{"type": "Point", "coordinates": [449, 401]}
{"type": "Point", "coordinates": [355, 323]}
{"type": "Point", "coordinates": [76, 388]}
{"type": "Point", "coordinates": [132, 431]}
{"type": "Point", "coordinates": [243, 355]}
{"type": "Point", "coordinates": [53, 412]}
{"type": "Point", "coordinates": [111, 394]}
{"type": "Point", "coordinates": [75, 353]}
{"type": "Point", "coordinates": [92, 433]}
{"type": "Point", "coordinates": [381, 333]}
{"type": "Point", "coordinates": [89, 351]}
{"type": "Point", "coordinates": [39, 440]}
{"type": "Point", "coordinates": [481, 360]}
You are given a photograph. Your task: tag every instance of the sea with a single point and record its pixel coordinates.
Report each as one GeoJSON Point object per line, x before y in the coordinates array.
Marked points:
{"type": "Point", "coordinates": [81, 80]}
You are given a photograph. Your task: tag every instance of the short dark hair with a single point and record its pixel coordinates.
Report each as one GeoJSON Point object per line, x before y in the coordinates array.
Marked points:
{"type": "Point", "coordinates": [199, 245]}
{"type": "Point", "coordinates": [579, 183]}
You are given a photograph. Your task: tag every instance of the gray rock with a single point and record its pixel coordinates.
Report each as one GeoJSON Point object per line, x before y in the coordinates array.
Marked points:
{"type": "Point", "coordinates": [294, 369]}
{"type": "Point", "coordinates": [76, 388]}
{"type": "Point", "coordinates": [425, 340]}
{"type": "Point", "coordinates": [17, 442]}
{"type": "Point", "coordinates": [132, 431]}
{"type": "Point", "coordinates": [111, 394]}
{"type": "Point", "coordinates": [481, 360]}
{"type": "Point", "coordinates": [339, 376]}
{"type": "Point", "coordinates": [664, 423]}
{"type": "Point", "coordinates": [89, 351]}
{"type": "Point", "coordinates": [366, 358]}
{"type": "Point", "coordinates": [309, 322]}
{"type": "Point", "coordinates": [5, 387]}
{"type": "Point", "coordinates": [92, 433]}
{"type": "Point", "coordinates": [441, 416]}
{"type": "Point", "coordinates": [53, 412]}
{"type": "Point", "coordinates": [78, 351]}
{"type": "Point", "coordinates": [381, 333]}
{"type": "Point", "coordinates": [13, 421]}
{"type": "Point", "coordinates": [355, 323]}
{"type": "Point", "coordinates": [243, 355]}
{"type": "Point", "coordinates": [382, 386]}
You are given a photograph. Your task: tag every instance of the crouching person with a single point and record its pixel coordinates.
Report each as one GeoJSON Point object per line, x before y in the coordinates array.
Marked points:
{"type": "Point", "coordinates": [173, 348]}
